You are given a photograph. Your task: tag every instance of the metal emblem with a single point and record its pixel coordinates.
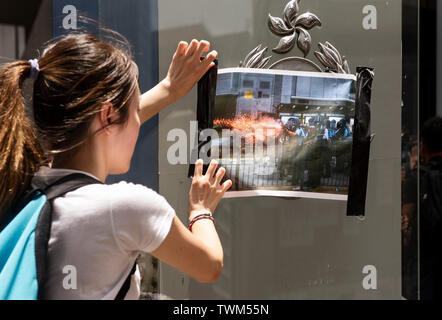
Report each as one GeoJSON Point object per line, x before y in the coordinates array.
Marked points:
{"type": "Point", "coordinates": [293, 28]}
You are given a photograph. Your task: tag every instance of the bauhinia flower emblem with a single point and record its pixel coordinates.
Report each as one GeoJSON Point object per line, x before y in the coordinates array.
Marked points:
{"type": "Point", "coordinates": [293, 28]}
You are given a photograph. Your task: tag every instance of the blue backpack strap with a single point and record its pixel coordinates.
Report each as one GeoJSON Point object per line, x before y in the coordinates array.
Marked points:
{"type": "Point", "coordinates": [18, 240]}
{"type": "Point", "coordinates": [18, 280]}
{"type": "Point", "coordinates": [43, 230]}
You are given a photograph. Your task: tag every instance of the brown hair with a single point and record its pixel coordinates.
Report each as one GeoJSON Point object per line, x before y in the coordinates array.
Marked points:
{"type": "Point", "coordinates": [78, 74]}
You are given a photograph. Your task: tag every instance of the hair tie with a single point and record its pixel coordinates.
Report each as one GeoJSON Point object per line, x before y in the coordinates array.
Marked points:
{"type": "Point", "coordinates": [35, 69]}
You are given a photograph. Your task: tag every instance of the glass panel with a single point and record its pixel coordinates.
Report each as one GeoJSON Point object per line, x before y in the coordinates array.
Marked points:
{"type": "Point", "coordinates": [296, 248]}
{"type": "Point", "coordinates": [281, 248]}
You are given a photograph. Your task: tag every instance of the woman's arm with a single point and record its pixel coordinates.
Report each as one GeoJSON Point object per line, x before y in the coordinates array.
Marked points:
{"type": "Point", "coordinates": [198, 253]}
{"type": "Point", "coordinates": [190, 252]}
{"type": "Point", "coordinates": [185, 71]}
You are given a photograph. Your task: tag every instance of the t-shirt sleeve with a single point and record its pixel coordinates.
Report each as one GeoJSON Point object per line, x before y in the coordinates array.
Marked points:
{"type": "Point", "coordinates": [141, 218]}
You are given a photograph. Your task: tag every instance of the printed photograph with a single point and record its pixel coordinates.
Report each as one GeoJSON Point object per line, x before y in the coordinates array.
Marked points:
{"type": "Point", "coordinates": [285, 133]}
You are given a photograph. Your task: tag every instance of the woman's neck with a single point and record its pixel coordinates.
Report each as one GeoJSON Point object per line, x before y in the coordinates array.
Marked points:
{"type": "Point", "coordinates": [81, 162]}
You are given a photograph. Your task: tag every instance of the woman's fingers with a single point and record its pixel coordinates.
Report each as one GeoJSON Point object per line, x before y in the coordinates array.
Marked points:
{"type": "Point", "coordinates": [212, 56]}
{"type": "Point", "coordinates": [198, 169]}
{"type": "Point", "coordinates": [219, 176]}
{"type": "Point", "coordinates": [209, 58]}
{"type": "Point", "coordinates": [207, 63]}
{"type": "Point", "coordinates": [187, 68]}
{"type": "Point", "coordinates": [182, 48]}
{"type": "Point", "coordinates": [211, 170]}
{"type": "Point", "coordinates": [227, 185]}
{"type": "Point", "coordinates": [203, 46]}
{"type": "Point", "coordinates": [192, 48]}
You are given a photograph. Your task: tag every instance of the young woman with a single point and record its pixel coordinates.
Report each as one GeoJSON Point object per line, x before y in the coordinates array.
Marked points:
{"type": "Point", "coordinates": [87, 111]}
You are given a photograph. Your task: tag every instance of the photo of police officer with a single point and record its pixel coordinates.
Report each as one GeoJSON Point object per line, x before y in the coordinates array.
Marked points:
{"type": "Point", "coordinates": [316, 152]}
{"type": "Point", "coordinates": [294, 157]}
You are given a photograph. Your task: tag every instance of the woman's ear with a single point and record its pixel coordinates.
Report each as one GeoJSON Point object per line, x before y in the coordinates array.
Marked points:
{"type": "Point", "coordinates": [106, 116]}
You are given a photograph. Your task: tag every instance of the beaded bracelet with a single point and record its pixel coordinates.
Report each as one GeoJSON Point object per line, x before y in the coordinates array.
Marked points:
{"type": "Point", "coordinates": [200, 217]}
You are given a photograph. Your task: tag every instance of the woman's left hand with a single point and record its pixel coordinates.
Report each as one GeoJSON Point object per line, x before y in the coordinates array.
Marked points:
{"type": "Point", "coordinates": [187, 68]}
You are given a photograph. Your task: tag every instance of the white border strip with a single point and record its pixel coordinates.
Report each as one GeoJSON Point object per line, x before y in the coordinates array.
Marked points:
{"type": "Point", "coordinates": [284, 194]}
{"type": "Point", "coordinates": [289, 73]}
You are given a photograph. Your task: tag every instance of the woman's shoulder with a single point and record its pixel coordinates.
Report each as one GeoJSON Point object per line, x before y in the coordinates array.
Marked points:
{"type": "Point", "coordinates": [123, 193]}
{"type": "Point", "coordinates": [128, 206]}
{"type": "Point", "coordinates": [122, 188]}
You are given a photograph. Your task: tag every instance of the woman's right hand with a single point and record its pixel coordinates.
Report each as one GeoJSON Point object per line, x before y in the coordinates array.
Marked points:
{"type": "Point", "coordinates": [206, 190]}
{"type": "Point", "coordinates": [187, 68]}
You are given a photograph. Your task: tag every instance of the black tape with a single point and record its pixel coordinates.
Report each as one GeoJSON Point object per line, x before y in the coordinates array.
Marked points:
{"type": "Point", "coordinates": [205, 108]}
{"type": "Point", "coordinates": [362, 137]}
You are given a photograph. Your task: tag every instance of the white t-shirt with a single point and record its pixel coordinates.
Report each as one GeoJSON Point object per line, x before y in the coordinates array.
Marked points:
{"type": "Point", "coordinates": [97, 233]}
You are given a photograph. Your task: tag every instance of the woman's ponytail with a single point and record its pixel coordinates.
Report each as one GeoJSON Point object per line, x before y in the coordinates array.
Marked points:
{"type": "Point", "coordinates": [20, 152]}
{"type": "Point", "coordinates": [74, 77]}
